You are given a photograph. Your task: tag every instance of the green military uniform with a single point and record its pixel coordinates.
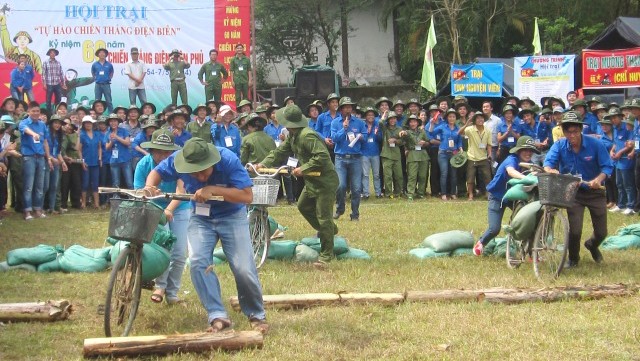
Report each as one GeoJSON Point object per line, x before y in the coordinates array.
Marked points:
{"type": "Point", "coordinates": [73, 85]}
{"type": "Point", "coordinates": [255, 147]}
{"type": "Point", "coordinates": [177, 78]}
{"type": "Point", "coordinates": [15, 175]}
{"type": "Point", "coordinates": [201, 131]}
{"type": "Point", "coordinates": [319, 193]}
{"type": "Point", "coordinates": [213, 74]}
{"type": "Point", "coordinates": [391, 158]}
{"type": "Point", "coordinates": [13, 52]}
{"type": "Point", "coordinates": [240, 67]}
{"type": "Point", "coordinates": [417, 161]}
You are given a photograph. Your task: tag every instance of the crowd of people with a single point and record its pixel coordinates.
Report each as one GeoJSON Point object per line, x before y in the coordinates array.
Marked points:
{"type": "Point", "coordinates": [55, 158]}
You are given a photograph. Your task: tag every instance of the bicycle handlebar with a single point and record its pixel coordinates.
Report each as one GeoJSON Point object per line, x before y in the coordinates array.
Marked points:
{"type": "Point", "coordinates": [143, 194]}
{"type": "Point", "coordinates": [272, 172]}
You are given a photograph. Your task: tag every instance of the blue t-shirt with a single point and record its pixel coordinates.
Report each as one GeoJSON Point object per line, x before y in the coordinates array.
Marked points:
{"type": "Point", "coordinates": [29, 147]}
{"type": "Point", "coordinates": [620, 137]}
{"type": "Point", "coordinates": [120, 153]}
{"type": "Point", "coordinates": [228, 172]}
{"type": "Point", "coordinates": [219, 133]}
{"type": "Point", "coordinates": [589, 162]}
{"type": "Point", "coordinates": [106, 154]}
{"type": "Point", "coordinates": [340, 135]}
{"type": "Point", "coordinates": [543, 131]}
{"type": "Point", "coordinates": [54, 145]}
{"type": "Point", "coordinates": [498, 185]}
{"type": "Point", "coordinates": [510, 140]}
{"type": "Point", "coordinates": [323, 126]}
{"type": "Point", "coordinates": [374, 137]}
{"type": "Point", "coordinates": [449, 138]}
{"type": "Point", "coordinates": [273, 131]}
{"type": "Point", "coordinates": [139, 139]}
{"type": "Point", "coordinates": [591, 124]}
{"type": "Point", "coordinates": [90, 147]}
{"type": "Point", "coordinates": [528, 130]}
{"type": "Point", "coordinates": [182, 138]}
{"type": "Point", "coordinates": [102, 73]}
{"type": "Point", "coordinates": [606, 140]}
{"type": "Point", "coordinates": [312, 123]}
{"type": "Point", "coordinates": [432, 134]}
{"type": "Point", "coordinates": [144, 167]}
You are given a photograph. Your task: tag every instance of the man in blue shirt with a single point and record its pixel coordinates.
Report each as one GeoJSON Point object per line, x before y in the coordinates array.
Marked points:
{"type": "Point", "coordinates": [543, 136]}
{"type": "Point", "coordinates": [102, 72]}
{"type": "Point", "coordinates": [348, 134]}
{"type": "Point", "coordinates": [35, 157]}
{"type": "Point", "coordinates": [508, 132]}
{"type": "Point", "coordinates": [587, 158]}
{"type": "Point", "coordinates": [206, 171]}
{"type": "Point", "coordinates": [624, 163]}
{"type": "Point", "coordinates": [323, 126]}
{"type": "Point", "coordinates": [590, 121]}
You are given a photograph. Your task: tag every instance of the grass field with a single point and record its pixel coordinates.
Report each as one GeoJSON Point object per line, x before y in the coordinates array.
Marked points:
{"type": "Point", "coordinates": [604, 329]}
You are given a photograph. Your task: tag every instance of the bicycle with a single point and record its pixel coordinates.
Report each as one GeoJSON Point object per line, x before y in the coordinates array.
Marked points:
{"type": "Point", "coordinates": [132, 220]}
{"type": "Point", "coordinates": [551, 240]}
{"type": "Point", "coordinates": [265, 194]}
{"type": "Point", "coordinates": [518, 249]}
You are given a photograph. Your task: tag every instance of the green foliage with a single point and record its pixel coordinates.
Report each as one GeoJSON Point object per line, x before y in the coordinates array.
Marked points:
{"type": "Point", "coordinates": [563, 36]}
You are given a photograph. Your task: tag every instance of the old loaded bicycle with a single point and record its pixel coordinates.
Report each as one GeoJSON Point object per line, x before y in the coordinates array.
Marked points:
{"type": "Point", "coordinates": [550, 243]}
{"type": "Point", "coordinates": [133, 220]}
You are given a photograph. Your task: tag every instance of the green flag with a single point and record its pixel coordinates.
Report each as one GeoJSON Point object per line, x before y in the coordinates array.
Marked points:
{"type": "Point", "coordinates": [537, 49]}
{"type": "Point", "coordinates": [428, 69]}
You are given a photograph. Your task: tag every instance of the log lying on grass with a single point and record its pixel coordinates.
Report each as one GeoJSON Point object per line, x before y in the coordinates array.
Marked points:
{"type": "Point", "coordinates": [513, 296]}
{"type": "Point", "coordinates": [493, 295]}
{"type": "Point", "coordinates": [167, 344]}
{"type": "Point", "coordinates": [48, 311]}
{"type": "Point", "coordinates": [291, 301]}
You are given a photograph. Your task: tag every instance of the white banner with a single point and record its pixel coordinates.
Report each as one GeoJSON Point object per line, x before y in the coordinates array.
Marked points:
{"type": "Point", "coordinates": [543, 76]}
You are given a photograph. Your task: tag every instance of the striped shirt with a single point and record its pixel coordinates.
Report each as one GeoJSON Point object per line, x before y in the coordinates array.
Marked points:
{"type": "Point", "coordinates": [52, 72]}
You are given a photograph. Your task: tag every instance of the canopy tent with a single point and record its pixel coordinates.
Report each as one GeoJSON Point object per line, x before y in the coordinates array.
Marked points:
{"type": "Point", "coordinates": [623, 33]}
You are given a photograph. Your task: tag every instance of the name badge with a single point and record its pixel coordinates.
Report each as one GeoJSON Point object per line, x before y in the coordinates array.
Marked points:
{"type": "Point", "coordinates": [278, 143]}
{"type": "Point", "coordinates": [482, 146]}
{"type": "Point", "coordinates": [418, 147]}
{"type": "Point", "coordinates": [494, 164]}
{"type": "Point", "coordinates": [292, 162]}
{"type": "Point", "coordinates": [637, 145]}
{"type": "Point", "coordinates": [114, 153]}
{"type": "Point", "coordinates": [452, 144]}
{"type": "Point", "coordinates": [101, 72]}
{"type": "Point", "coordinates": [438, 137]}
{"type": "Point", "coordinates": [240, 68]}
{"type": "Point", "coordinates": [202, 209]}
{"type": "Point", "coordinates": [36, 141]}
{"type": "Point", "coordinates": [351, 136]}
{"type": "Point", "coordinates": [392, 145]}
{"type": "Point", "coordinates": [63, 99]}
{"type": "Point", "coordinates": [370, 140]}
{"type": "Point", "coordinates": [511, 139]}
{"type": "Point", "coordinates": [228, 141]}
{"type": "Point", "coordinates": [214, 73]}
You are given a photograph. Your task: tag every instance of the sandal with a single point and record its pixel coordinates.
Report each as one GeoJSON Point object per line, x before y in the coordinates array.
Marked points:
{"type": "Point", "coordinates": [157, 297]}
{"type": "Point", "coordinates": [219, 325]}
{"type": "Point", "coordinates": [259, 325]}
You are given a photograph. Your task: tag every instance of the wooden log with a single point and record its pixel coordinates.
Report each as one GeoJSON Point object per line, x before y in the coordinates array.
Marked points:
{"type": "Point", "coordinates": [48, 311]}
{"type": "Point", "coordinates": [167, 344]}
{"type": "Point", "coordinates": [303, 301]}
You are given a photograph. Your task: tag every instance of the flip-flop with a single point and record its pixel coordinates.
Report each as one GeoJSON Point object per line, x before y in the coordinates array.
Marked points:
{"type": "Point", "coordinates": [219, 325]}
{"type": "Point", "coordinates": [157, 298]}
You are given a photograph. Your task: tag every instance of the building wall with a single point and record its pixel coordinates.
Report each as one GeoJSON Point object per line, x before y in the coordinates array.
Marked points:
{"type": "Point", "coordinates": [370, 52]}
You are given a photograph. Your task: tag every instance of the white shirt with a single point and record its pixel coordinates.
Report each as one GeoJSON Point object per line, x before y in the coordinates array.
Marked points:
{"type": "Point", "coordinates": [136, 69]}
{"type": "Point", "coordinates": [492, 126]}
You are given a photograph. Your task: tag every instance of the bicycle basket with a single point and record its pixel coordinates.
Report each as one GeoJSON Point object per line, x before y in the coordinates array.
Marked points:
{"type": "Point", "coordinates": [558, 190]}
{"type": "Point", "coordinates": [265, 191]}
{"type": "Point", "coordinates": [133, 220]}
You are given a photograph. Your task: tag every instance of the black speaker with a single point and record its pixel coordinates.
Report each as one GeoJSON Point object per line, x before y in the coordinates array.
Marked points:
{"type": "Point", "coordinates": [315, 84]}
{"type": "Point", "coordinates": [278, 94]}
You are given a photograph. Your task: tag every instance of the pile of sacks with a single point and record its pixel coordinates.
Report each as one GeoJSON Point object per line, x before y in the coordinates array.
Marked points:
{"type": "Point", "coordinates": [307, 250]}
{"type": "Point", "coordinates": [456, 243]}
{"type": "Point", "coordinates": [627, 238]}
{"type": "Point", "coordinates": [77, 258]}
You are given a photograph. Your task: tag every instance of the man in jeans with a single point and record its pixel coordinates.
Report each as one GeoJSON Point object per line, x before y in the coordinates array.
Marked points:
{"type": "Point", "coordinates": [35, 156]}
{"type": "Point", "coordinates": [53, 78]}
{"type": "Point", "coordinates": [207, 171]}
{"type": "Point", "coordinates": [586, 157]}
{"type": "Point", "coordinates": [348, 135]}
{"type": "Point", "coordinates": [102, 72]}
{"type": "Point", "coordinates": [136, 70]}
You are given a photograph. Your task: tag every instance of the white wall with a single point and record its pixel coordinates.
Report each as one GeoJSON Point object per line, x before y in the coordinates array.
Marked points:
{"type": "Point", "coordinates": [370, 51]}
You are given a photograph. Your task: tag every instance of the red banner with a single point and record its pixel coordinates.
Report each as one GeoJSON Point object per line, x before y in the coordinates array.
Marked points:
{"type": "Point", "coordinates": [611, 68]}
{"type": "Point", "coordinates": [233, 26]}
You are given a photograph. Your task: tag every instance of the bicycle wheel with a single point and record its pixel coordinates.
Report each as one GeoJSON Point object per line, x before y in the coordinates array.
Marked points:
{"type": "Point", "coordinates": [123, 292]}
{"type": "Point", "coordinates": [550, 245]}
{"type": "Point", "coordinates": [515, 248]}
{"type": "Point", "coordinates": [260, 233]}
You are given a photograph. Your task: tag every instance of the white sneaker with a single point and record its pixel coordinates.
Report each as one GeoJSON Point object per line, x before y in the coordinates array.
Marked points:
{"type": "Point", "coordinates": [615, 209]}
{"type": "Point", "coordinates": [628, 212]}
